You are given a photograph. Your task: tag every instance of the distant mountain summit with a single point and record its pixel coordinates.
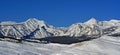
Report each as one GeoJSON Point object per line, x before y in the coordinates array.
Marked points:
{"type": "Point", "coordinates": [34, 28]}
{"type": "Point", "coordinates": [91, 21]}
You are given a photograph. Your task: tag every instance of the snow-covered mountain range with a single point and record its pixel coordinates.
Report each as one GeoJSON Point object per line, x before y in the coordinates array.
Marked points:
{"type": "Point", "coordinates": [108, 42]}
{"type": "Point", "coordinates": [34, 28]}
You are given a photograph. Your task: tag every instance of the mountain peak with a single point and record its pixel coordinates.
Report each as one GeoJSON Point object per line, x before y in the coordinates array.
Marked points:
{"type": "Point", "coordinates": [32, 19]}
{"type": "Point", "coordinates": [92, 21]}
{"type": "Point", "coordinates": [92, 18]}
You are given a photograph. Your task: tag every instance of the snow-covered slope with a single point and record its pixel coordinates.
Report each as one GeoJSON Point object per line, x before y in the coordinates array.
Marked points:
{"type": "Point", "coordinates": [80, 29]}
{"type": "Point", "coordinates": [100, 46]}
{"type": "Point", "coordinates": [31, 28]}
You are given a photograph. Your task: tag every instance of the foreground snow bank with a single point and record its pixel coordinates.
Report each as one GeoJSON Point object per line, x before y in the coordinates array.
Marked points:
{"type": "Point", "coordinates": [100, 46]}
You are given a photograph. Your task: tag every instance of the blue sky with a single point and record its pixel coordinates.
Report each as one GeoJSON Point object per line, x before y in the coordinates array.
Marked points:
{"type": "Point", "coordinates": [59, 12]}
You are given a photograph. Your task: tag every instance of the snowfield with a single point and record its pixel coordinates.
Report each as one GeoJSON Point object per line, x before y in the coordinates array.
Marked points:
{"type": "Point", "coordinates": [106, 45]}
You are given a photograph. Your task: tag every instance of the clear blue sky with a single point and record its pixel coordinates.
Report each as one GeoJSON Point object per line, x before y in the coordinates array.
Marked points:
{"type": "Point", "coordinates": [59, 12]}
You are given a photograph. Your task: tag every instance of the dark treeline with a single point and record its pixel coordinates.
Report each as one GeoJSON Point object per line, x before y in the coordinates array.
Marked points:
{"type": "Point", "coordinates": [52, 39]}
{"type": "Point", "coordinates": [66, 39]}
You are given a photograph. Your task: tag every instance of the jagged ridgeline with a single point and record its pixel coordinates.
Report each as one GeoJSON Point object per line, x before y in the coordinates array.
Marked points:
{"type": "Point", "coordinates": [37, 29]}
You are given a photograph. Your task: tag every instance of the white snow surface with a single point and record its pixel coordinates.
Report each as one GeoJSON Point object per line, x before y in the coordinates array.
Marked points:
{"type": "Point", "coordinates": [100, 46]}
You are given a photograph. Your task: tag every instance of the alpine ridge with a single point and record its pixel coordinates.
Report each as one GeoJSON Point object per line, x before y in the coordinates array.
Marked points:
{"type": "Point", "coordinates": [34, 28]}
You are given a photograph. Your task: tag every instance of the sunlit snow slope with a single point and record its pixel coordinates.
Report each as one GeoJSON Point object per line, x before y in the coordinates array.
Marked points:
{"type": "Point", "coordinates": [101, 46]}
